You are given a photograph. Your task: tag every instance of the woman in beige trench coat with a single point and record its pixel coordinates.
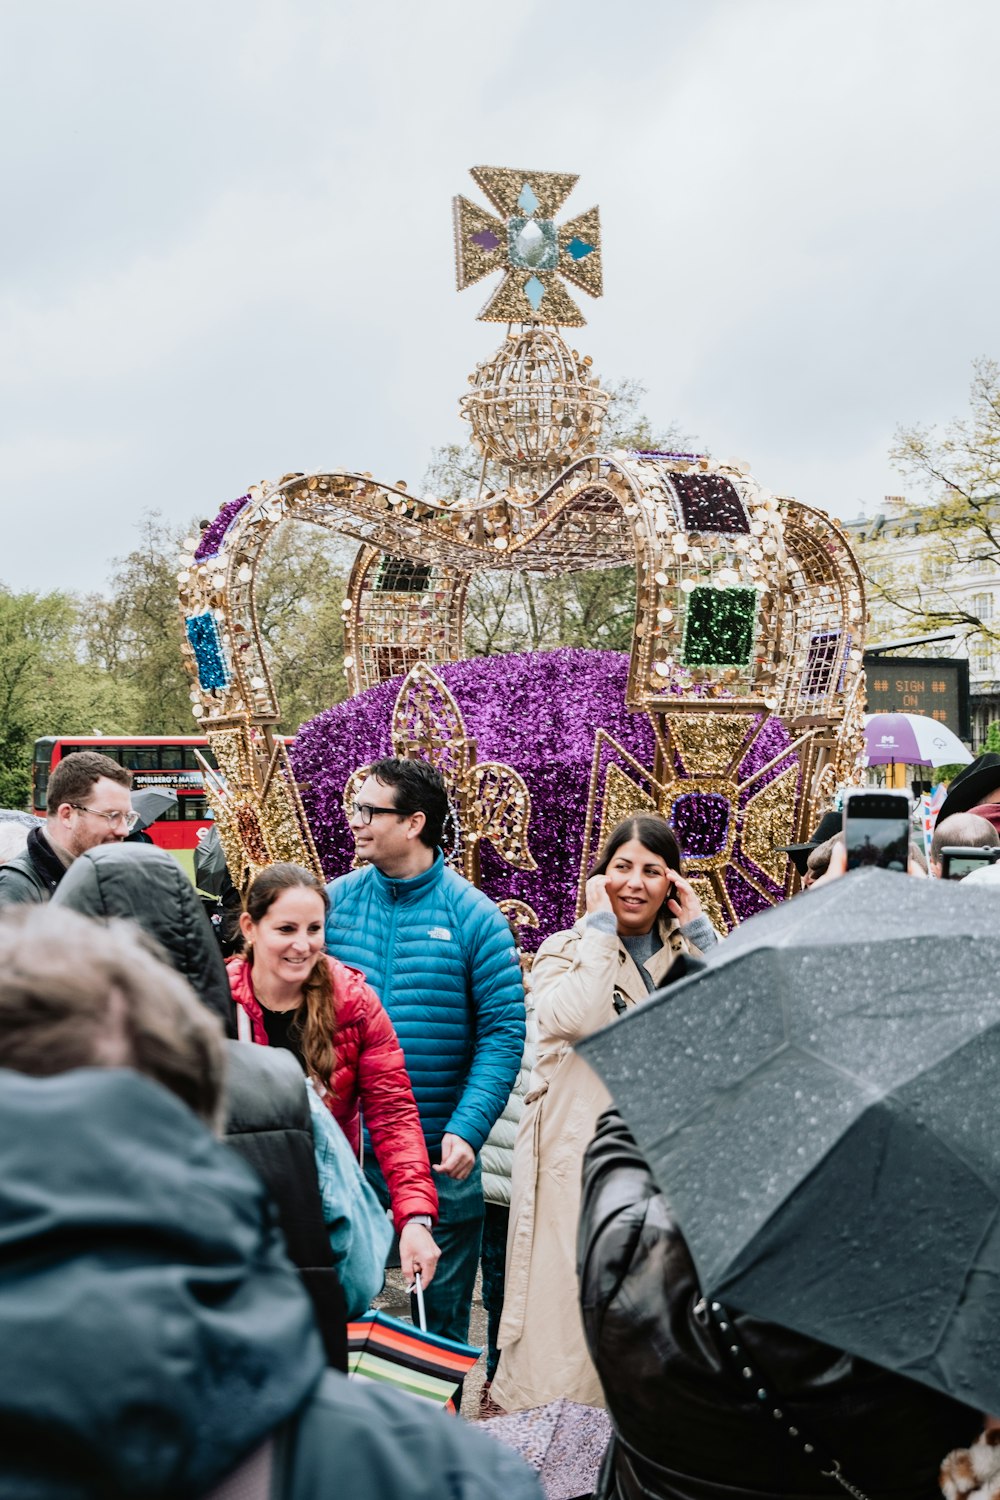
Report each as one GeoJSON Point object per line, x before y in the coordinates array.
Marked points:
{"type": "Point", "coordinates": [641, 913]}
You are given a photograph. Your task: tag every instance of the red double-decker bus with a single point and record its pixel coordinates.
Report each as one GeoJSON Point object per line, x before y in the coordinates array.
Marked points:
{"type": "Point", "coordinates": [155, 761]}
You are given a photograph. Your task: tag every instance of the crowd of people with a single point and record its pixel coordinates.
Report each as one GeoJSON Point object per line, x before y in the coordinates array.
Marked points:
{"type": "Point", "coordinates": [405, 1086]}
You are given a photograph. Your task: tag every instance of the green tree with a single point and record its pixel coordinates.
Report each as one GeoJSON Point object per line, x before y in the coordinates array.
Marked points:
{"type": "Point", "coordinates": [959, 469]}
{"type": "Point", "coordinates": [133, 631]}
{"type": "Point", "coordinates": [46, 685]}
{"type": "Point", "coordinates": [530, 612]}
{"type": "Point", "coordinates": [301, 581]}
{"type": "Point", "coordinates": [992, 740]}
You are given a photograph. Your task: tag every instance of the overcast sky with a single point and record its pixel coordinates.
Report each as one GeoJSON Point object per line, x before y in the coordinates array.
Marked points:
{"type": "Point", "coordinates": [227, 248]}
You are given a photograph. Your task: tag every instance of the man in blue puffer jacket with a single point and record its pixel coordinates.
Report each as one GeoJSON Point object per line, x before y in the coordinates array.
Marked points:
{"type": "Point", "coordinates": [440, 955]}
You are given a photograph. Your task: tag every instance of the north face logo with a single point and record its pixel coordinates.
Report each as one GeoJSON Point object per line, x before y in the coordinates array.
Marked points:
{"type": "Point", "coordinates": [440, 932]}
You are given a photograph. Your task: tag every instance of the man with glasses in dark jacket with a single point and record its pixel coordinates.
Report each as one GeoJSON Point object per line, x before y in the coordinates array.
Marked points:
{"type": "Point", "coordinates": [88, 803]}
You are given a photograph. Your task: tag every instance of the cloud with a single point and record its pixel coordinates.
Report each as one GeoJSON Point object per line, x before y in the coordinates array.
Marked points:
{"type": "Point", "coordinates": [227, 248]}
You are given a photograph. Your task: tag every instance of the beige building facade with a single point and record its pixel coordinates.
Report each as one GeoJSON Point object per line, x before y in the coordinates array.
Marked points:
{"type": "Point", "coordinates": [910, 572]}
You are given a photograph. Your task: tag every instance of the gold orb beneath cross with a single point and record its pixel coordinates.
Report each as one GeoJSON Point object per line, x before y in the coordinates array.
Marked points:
{"type": "Point", "coordinates": [535, 404]}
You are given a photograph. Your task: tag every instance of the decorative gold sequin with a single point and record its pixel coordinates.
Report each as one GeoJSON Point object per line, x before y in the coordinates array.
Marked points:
{"type": "Point", "coordinates": [519, 914]}
{"type": "Point", "coordinates": [711, 901]}
{"type": "Point", "coordinates": [623, 798]}
{"type": "Point", "coordinates": [504, 185]}
{"type": "Point", "coordinates": [768, 821]}
{"type": "Point", "coordinates": [710, 744]}
{"type": "Point", "coordinates": [256, 804]}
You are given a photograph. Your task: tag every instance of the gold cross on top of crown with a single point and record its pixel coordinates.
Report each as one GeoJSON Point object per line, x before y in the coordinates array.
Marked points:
{"type": "Point", "coordinates": [528, 246]}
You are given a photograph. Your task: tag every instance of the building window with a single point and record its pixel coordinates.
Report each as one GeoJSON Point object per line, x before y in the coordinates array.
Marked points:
{"type": "Point", "coordinates": [982, 659]}
{"type": "Point", "coordinates": [982, 606]}
{"type": "Point", "coordinates": [981, 564]}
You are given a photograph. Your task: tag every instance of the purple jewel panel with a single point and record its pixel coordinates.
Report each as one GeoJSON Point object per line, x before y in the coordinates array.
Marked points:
{"type": "Point", "coordinates": [660, 453]}
{"type": "Point", "coordinates": [701, 823]}
{"type": "Point", "coordinates": [709, 502]}
{"type": "Point", "coordinates": [485, 239]}
{"type": "Point", "coordinates": [211, 537]}
{"type": "Point", "coordinates": [826, 659]}
{"type": "Point", "coordinates": [741, 857]}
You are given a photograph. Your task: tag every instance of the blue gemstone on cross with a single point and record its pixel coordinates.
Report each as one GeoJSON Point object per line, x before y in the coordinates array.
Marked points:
{"type": "Point", "coordinates": [527, 202]}
{"type": "Point", "coordinates": [534, 290]}
{"type": "Point", "coordinates": [579, 248]}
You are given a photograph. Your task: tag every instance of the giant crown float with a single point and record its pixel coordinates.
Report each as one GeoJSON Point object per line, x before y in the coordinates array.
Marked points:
{"type": "Point", "coordinates": [737, 712]}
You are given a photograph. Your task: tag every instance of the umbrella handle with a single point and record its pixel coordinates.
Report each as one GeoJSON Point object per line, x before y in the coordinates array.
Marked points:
{"type": "Point", "coordinates": [418, 1292]}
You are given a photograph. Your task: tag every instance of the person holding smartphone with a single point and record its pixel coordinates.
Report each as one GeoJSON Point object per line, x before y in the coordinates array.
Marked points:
{"type": "Point", "coordinates": [641, 915]}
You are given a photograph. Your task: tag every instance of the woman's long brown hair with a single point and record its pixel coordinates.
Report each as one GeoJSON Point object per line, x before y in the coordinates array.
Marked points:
{"type": "Point", "coordinates": [315, 1020]}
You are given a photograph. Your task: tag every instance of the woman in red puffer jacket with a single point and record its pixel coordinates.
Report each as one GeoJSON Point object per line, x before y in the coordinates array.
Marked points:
{"type": "Point", "coordinates": [289, 993]}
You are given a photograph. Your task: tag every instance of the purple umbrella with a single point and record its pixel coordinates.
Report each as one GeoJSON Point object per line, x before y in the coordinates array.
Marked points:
{"type": "Point", "coordinates": [912, 740]}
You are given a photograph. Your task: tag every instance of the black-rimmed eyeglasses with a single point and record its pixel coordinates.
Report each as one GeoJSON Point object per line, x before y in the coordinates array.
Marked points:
{"type": "Point", "coordinates": [365, 811]}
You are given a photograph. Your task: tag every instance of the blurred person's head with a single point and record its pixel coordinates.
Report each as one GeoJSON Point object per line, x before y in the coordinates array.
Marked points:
{"type": "Point", "coordinates": [88, 802]}
{"type": "Point", "coordinates": [75, 993]}
{"type": "Point", "coordinates": [283, 927]}
{"type": "Point", "coordinates": [819, 860]}
{"type": "Point", "coordinates": [917, 861]}
{"type": "Point", "coordinates": [637, 860]}
{"type": "Point", "coordinates": [965, 830]}
{"type": "Point", "coordinates": [829, 825]}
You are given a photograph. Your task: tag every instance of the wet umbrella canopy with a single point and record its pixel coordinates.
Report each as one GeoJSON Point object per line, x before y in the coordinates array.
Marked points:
{"type": "Point", "coordinates": [210, 870]}
{"type": "Point", "coordinates": [151, 803]}
{"type": "Point", "coordinates": [821, 1108]}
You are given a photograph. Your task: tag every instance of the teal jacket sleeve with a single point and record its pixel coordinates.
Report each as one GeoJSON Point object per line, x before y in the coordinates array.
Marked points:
{"type": "Point", "coordinates": [360, 1233]}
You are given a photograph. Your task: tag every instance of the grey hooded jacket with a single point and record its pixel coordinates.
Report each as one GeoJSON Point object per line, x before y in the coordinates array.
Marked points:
{"type": "Point", "coordinates": [147, 885]}
{"type": "Point", "coordinates": [155, 1334]}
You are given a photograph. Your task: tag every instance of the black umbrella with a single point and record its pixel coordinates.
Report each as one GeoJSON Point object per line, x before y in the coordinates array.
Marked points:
{"type": "Point", "coordinates": [151, 803]}
{"type": "Point", "coordinates": [821, 1106]}
{"type": "Point", "coordinates": [211, 873]}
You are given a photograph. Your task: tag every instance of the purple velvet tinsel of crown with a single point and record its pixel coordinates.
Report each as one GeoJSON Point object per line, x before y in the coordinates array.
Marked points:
{"type": "Point", "coordinates": [538, 712]}
{"type": "Point", "coordinates": [211, 537]}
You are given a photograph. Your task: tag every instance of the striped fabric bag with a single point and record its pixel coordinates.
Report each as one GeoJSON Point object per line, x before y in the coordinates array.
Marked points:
{"type": "Point", "coordinates": [395, 1353]}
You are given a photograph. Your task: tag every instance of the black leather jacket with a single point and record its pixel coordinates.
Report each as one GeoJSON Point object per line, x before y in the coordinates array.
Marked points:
{"type": "Point", "coordinates": [685, 1428]}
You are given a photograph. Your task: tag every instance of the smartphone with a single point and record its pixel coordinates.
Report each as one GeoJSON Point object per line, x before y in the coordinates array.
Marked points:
{"type": "Point", "coordinates": [957, 862]}
{"type": "Point", "coordinates": [877, 829]}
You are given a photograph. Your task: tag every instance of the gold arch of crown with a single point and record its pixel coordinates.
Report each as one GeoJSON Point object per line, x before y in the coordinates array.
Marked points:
{"type": "Point", "coordinates": [759, 613]}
